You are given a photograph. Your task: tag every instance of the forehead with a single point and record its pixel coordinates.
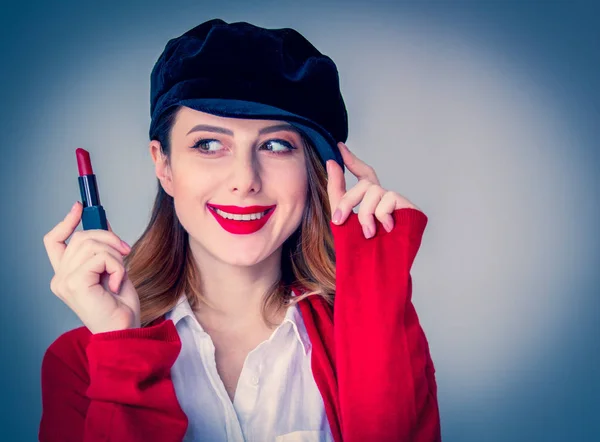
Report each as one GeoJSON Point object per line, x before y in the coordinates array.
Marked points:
{"type": "Point", "coordinates": [187, 118]}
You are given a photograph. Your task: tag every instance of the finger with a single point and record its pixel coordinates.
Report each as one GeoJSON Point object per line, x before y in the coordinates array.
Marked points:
{"type": "Point", "coordinates": [359, 168]}
{"type": "Point", "coordinates": [88, 275]}
{"type": "Point", "coordinates": [351, 199]}
{"type": "Point", "coordinates": [84, 296]}
{"type": "Point", "coordinates": [99, 235]}
{"type": "Point", "coordinates": [391, 202]}
{"type": "Point", "coordinates": [367, 209]}
{"type": "Point", "coordinates": [109, 227]}
{"type": "Point", "coordinates": [54, 240]}
{"type": "Point", "coordinates": [385, 208]}
{"type": "Point", "coordinates": [87, 250]}
{"type": "Point", "coordinates": [336, 187]}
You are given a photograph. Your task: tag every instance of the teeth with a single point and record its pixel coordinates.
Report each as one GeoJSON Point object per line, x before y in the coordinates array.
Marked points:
{"type": "Point", "coordinates": [248, 217]}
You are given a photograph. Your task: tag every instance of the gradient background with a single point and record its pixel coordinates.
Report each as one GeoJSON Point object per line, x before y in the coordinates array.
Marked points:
{"type": "Point", "coordinates": [484, 114]}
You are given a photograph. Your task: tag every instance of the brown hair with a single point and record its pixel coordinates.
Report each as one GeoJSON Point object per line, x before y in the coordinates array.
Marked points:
{"type": "Point", "coordinates": [161, 267]}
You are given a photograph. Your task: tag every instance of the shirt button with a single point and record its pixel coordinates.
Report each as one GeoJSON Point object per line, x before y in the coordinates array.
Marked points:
{"type": "Point", "coordinates": [254, 380]}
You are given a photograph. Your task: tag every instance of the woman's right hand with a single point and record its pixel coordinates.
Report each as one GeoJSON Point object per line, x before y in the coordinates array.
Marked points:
{"type": "Point", "coordinates": [90, 276]}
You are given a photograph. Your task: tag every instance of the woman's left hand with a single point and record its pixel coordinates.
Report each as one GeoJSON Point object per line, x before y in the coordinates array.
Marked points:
{"type": "Point", "coordinates": [375, 201]}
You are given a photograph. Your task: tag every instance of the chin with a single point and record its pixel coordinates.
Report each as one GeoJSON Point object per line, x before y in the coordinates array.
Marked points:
{"type": "Point", "coordinates": [242, 257]}
{"type": "Point", "coordinates": [241, 250]}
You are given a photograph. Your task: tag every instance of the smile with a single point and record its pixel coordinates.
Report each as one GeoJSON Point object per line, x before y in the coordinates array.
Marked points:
{"type": "Point", "coordinates": [241, 220]}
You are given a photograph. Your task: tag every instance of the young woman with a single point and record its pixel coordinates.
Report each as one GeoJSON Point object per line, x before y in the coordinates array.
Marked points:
{"type": "Point", "coordinates": [256, 306]}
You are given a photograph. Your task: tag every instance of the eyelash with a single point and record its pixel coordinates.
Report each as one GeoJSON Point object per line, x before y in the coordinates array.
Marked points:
{"type": "Point", "coordinates": [203, 141]}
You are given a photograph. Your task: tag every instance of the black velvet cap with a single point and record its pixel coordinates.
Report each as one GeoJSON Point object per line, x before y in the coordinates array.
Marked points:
{"type": "Point", "coordinates": [243, 71]}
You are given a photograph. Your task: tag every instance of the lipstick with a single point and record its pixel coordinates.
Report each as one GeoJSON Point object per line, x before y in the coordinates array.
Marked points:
{"type": "Point", "coordinates": [241, 227]}
{"type": "Point", "coordinates": [93, 216]}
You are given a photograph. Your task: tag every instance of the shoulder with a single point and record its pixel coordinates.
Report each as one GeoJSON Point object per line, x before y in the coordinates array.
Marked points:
{"type": "Point", "coordinates": [68, 351]}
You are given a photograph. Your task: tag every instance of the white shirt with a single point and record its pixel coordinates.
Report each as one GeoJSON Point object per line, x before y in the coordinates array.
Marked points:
{"type": "Point", "coordinates": [276, 398]}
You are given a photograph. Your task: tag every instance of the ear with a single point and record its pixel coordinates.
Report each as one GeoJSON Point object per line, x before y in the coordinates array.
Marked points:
{"type": "Point", "coordinates": [161, 167]}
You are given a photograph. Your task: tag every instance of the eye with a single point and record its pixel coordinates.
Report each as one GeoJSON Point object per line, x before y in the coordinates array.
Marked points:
{"type": "Point", "coordinates": [207, 146]}
{"type": "Point", "coordinates": [278, 146]}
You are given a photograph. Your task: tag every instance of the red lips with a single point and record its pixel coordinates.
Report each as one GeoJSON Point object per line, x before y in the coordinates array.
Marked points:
{"type": "Point", "coordinates": [239, 227]}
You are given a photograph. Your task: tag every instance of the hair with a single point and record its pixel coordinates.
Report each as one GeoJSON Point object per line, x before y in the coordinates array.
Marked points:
{"type": "Point", "coordinates": [161, 266]}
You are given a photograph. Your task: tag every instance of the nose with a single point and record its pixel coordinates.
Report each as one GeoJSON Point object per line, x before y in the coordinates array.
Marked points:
{"type": "Point", "coordinates": [245, 176]}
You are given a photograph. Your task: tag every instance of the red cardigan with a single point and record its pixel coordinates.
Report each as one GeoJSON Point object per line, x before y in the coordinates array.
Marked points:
{"type": "Point", "coordinates": [370, 358]}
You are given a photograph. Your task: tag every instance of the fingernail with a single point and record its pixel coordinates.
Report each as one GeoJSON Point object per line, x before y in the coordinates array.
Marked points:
{"type": "Point", "coordinates": [388, 225]}
{"type": "Point", "coordinates": [337, 216]}
{"type": "Point", "coordinates": [367, 231]}
{"type": "Point", "coordinates": [328, 167]}
{"type": "Point", "coordinates": [73, 208]}
{"type": "Point", "coordinates": [127, 246]}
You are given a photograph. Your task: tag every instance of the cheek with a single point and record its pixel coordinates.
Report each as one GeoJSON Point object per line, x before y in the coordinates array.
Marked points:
{"type": "Point", "coordinates": [193, 183]}
{"type": "Point", "coordinates": [192, 189]}
{"type": "Point", "coordinates": [290, 184]}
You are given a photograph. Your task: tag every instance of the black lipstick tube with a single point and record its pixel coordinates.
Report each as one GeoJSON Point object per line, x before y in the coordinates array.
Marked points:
{"type": "Point", "coordinates": [93, 216]}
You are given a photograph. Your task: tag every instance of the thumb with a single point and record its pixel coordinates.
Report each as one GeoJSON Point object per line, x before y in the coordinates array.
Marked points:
{"type": "Point", "coordinates": [109, 227]}
{"type": "Point", "coordinates": [336, 184]}
{"type": "Point", "coordinates": [55, 239]}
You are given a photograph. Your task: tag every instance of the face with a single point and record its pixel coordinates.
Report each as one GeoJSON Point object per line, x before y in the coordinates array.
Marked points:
{"type": "Point", "coordinates": [224, 168]}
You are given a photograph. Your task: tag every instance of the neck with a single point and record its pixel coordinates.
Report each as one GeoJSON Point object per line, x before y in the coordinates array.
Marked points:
{"type": "Point", "coordinates": [235, 294]}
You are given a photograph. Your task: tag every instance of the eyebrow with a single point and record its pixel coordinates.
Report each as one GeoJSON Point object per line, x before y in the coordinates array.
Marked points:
{"type": "Point", "coordinates": [222, 130]}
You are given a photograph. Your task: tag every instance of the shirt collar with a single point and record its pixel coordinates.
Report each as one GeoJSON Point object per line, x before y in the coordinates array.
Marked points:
{"type": "Point", "coordinates": [293, 316]}
{"type": "Point", "coordinates": [181, 310]}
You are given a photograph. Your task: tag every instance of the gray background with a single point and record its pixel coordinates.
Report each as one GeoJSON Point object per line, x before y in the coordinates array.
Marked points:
{"type": "Point", "coordinates": [484, 114]}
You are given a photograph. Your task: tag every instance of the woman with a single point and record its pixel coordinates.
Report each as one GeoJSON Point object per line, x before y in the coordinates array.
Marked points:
{"type": "Point", "coordinates": [256, 305]}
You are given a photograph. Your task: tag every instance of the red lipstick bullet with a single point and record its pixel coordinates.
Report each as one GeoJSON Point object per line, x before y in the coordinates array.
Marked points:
{"type": "Point", "coordinates": [93, 216]}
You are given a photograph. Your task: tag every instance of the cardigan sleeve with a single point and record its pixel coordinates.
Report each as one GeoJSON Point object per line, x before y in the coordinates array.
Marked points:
{"type": "Point", "coordinates": [386, 378]}
{"type": "Point", "coordinates": [115, 386]}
